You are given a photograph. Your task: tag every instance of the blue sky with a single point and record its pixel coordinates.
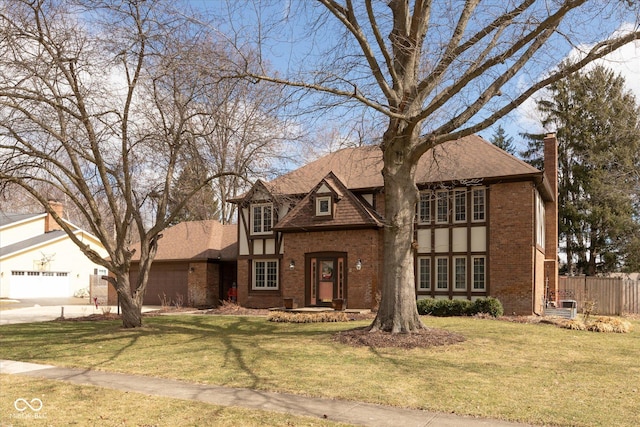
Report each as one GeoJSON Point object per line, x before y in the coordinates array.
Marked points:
{"type": "Point", "coordinates": [287, 51]}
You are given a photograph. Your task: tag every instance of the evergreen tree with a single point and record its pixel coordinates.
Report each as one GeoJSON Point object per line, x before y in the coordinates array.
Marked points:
{"type": "Point", "coordinates": [500, 140]}
{"type": "Point", "coordinates": [598, 130]}
{"type": "Point", "coordinates": [203, 205]}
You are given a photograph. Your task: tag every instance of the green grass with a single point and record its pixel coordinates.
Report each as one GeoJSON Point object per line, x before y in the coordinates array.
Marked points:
{"type": "Point", "coordinates": [538, 374]}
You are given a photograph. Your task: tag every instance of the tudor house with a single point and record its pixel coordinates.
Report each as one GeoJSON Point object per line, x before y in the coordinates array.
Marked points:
{"type": "Point", "coordinates": [485, 225]}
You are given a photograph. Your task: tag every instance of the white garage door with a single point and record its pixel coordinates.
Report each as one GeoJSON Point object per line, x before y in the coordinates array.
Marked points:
{"type": "Point", "coordinates": [39, 284]}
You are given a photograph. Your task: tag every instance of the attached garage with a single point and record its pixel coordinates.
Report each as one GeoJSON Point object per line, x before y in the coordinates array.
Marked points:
{"type": "Point", "coordinates": [195, 265]}
{"type": "Point", "coordinates": [43, 284]}
{"type": "Point", "coordinates": [168, 282]}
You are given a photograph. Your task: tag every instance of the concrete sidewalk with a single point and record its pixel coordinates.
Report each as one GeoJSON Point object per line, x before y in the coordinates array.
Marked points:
{"type": "Point", "coordinates": [333, 410]}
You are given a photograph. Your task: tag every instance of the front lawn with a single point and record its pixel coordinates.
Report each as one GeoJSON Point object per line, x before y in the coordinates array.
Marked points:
{"type": "Point", "coordinates": [537, 374]}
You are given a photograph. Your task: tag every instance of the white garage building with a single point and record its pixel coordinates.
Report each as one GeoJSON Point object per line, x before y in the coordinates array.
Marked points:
{"type": "Point", "coordinates": [39, 260]}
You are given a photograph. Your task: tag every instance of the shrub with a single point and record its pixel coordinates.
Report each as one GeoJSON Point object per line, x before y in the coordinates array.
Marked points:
{"type": "Point", "coordinates": [491, 306]}
{"type": "Point", "coordinates": [447, 307]}
{"type": "Point", "coordinates": [599, 324]}
{"type": "Point", "coordinates": [425, 306]}
{"type": "Point", "coordinates": [281, 316]}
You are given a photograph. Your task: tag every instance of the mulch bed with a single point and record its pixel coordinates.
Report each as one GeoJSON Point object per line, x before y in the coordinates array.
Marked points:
{"type": "Point", "coordinates": [424, 338]}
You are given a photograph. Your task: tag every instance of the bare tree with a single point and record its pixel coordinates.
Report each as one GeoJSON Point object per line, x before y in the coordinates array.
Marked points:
{"type": "Point", "coordinates": [98, 101]}
{"type": "Point", "coordinates": [437, 71]}
{"type": "Point", "coordinates": [243, 132]}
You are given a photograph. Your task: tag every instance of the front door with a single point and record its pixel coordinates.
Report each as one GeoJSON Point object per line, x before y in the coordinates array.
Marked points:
{"type": "Point", "coordinates": [326, 278]}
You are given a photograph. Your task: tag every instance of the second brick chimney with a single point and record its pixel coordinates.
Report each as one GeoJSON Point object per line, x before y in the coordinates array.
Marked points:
{"type": "Point", "coordinates": [50, 224]}
{"type": "Point", "coordinates": [551, 215]}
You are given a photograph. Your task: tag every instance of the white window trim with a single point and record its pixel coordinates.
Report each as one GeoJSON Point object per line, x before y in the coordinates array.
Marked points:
{"type": "Point", "coordinates": [251, 219]}
{"type": "Point", "coordinates": [319, 201]}
{"type": "Point", "coordinates": [473, 274]}
{"type": "Point", "coordinates": [437, 275]}
{"type": "Point", "coordinates": [446, 199]}
{"type": "Point", "coordinates": [455, 273]}
{"type": "Point", "coordinates": [455, 206]}
{"type": "Point", "coordinates": [277, 278]}
{"type": "Point", "coordinates": [484, 205]}
{"type": "Point", "coordinates": [428, 263]}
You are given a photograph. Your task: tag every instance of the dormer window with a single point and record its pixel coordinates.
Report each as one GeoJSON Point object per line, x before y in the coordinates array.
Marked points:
{"type": "Point", "coordinates": [323, 206]}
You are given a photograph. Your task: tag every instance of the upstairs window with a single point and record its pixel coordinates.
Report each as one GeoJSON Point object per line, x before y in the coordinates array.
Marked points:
{"type": "Point", "coordinates": [442, 207]}
{"type": "Point", "coordinates": [479, 205]}
{"type": "Point", "coordinates": [424, 207]}
{"type": "Point", "coordinates": [262, 218]}
{"type": "Point", "coordinates": [460, 203]}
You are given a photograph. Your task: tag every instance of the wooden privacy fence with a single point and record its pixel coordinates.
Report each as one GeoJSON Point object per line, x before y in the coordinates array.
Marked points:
{"type": "Point", "coordinates": [612, 295]}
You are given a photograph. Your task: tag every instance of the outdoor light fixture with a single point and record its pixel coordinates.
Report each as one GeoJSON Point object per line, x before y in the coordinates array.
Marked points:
{"type": "Point", "coordinates": [359, 265]}
{"type": "Point", "coordinates": [292, 265]}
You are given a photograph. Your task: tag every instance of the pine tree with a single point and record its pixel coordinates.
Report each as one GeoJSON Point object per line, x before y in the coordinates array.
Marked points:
{"type": "Point", "coordinates": [598, 131]}
{"type": "Point", "coordinates": [500, 140]}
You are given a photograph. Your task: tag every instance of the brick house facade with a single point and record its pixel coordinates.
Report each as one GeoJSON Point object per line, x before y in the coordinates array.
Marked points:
{"type": "Point", "coordinates": [486, 225]}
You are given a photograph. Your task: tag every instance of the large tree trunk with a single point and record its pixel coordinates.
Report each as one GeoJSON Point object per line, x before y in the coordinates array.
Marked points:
{"type": "Point", "coordinates": [398, 311]}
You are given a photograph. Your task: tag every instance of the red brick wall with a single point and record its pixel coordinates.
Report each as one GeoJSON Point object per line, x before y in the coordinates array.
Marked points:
{"type": "Point", "coordinates": [365, 245]}
{"type": "Point", "coordinates": [203, 284]}
{"type": "Point", "coordinates": [361, 285]}
{"type": "Point", "coordinates": [512, 246]}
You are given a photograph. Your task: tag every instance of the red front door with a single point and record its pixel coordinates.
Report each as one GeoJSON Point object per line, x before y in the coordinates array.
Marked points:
{"type": "Point", "coordinates": [326, 279]}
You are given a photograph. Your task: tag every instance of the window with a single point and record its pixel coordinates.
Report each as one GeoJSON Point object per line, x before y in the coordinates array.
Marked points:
{"type": "Point", "coordinates": [323, 206]}
{"type": "Point", "coordinates": [460, 203]}
{"type": "Point", "coordinates": [265, 274]}
{"type": "Point", "coordinates": [479, 273]}
{"type": "Point", "coordinates": [442, 273]}
{"type": "Point", "coordinates": [424, 207]}
{"type": "Point", "coordinates": [424, 274]}
{"type": "Point", "coordinates": [460, 279]}
{"type": "Point", "coordinates": [442, 207]}
{"type": "Point", "coordinates": [540, 224]}
{"type": "Point", "coordinates": [262, 218]}
{"type": "Point", "coordinates": [478, 205]}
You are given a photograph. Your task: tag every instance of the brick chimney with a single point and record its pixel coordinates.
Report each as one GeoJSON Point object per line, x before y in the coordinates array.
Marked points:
{"type": "Point", "coordinates": [51, 224]}
{"type": "Point", "coordinates": [551, 214]}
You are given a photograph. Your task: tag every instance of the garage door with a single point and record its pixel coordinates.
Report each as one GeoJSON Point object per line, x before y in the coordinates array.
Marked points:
{"type": "Point", "coordinates": [167, 282]}
{"type": "Point", "coordinates": [39, 284]}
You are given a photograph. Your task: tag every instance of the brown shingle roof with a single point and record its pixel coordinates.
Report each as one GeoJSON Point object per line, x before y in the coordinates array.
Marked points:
{"type": "Point", "coordinates": [196, 240]}
{"type": "Point", "coordinates": [349, 211]}
{"type": "Point", "coordinates": [360, 168]}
